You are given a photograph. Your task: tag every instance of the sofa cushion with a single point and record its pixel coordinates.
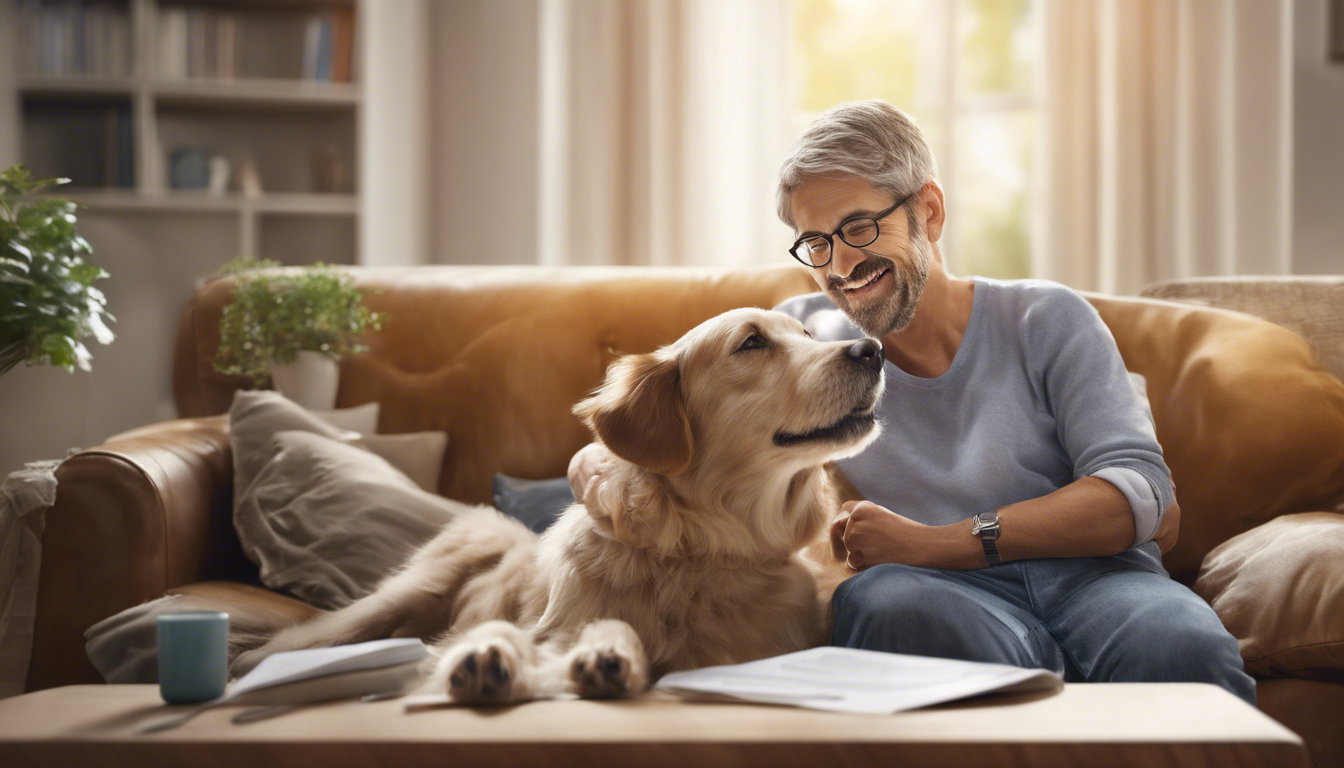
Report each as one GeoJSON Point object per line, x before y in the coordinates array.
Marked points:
{"type": "Point", "coordinates": [325, 521]}
{"type": "Point", "coordinates": [1250, 424]}
{"type": "Point", "coordinates": [1279, 590]}
{"type": "Point", "coordinates": [419, 455]}
{"type": "Point", "coordinates": [537, 503]}
{"type": "Point", "coordinates": [258, 415]}
{"type": "Point", "coordinates": [124, 647]}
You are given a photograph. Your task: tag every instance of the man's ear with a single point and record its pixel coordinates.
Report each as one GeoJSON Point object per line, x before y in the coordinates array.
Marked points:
{"type": "Point", "coordinates": [639, 414]}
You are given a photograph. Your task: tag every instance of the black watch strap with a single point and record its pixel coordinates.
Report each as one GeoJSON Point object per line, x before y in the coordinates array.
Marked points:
{"type": "Point", "coordinates": [991, 551]}
{"type": "Point", "coordinates": [986, 526]}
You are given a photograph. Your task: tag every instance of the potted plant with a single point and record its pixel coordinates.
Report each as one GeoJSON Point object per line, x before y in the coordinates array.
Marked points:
{"type": "Point", "coordinates": [291, 326]}
{"type": "Point", "coordinates": [48, 304]}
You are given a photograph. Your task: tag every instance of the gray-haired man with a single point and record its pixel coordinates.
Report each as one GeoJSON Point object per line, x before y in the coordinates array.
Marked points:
{"type": "Point", "coordinates": [1017, 499]}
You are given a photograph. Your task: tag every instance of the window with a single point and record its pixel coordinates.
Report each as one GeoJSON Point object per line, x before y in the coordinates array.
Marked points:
{"type": "Point", "coordinates": [965, 71]}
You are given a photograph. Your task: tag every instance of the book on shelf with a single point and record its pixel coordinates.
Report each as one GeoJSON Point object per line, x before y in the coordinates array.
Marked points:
{"type": "Point", "coordinates": [71, 38]}
{"type": "Point", "coordinates": [118, 150]}
{"type": "Point", "coordinates": [203, 42]}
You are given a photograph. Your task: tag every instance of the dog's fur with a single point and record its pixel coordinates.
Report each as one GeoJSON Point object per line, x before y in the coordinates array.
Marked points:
{"type": "Point", "coordinates": [685, 550]}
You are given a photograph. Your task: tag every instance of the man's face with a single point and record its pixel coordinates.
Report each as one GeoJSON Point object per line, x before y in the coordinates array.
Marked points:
{"type": "Point", "coordinates": [877, 286]}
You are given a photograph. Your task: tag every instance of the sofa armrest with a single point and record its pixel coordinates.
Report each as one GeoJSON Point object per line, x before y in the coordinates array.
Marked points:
{"type": "Point", "coordinates": [146, 511]}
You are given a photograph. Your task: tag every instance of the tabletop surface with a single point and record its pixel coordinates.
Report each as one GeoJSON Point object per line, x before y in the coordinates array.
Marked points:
{"type": "Point", "coordinates": [1079, 713]}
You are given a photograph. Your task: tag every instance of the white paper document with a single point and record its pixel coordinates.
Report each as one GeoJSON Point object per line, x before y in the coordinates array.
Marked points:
{"type": "Point", "coordinates": [291, 678]}
{"type": "Point", "coordinates": [293, 666]}
{"type": "Point", "coordinates": [852, 680]}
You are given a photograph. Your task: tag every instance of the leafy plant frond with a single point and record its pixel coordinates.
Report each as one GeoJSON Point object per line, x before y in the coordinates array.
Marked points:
{"type": "Point", "coordinates": [48, 304]}
{"type": "Point", "coordinates": [276, 313]}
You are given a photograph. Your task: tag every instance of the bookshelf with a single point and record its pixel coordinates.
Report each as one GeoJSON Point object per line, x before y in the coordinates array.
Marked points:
{"type": "Point", "coordinates": [158, 241]}
{"type": "Point", "coordinates": [194, 110]}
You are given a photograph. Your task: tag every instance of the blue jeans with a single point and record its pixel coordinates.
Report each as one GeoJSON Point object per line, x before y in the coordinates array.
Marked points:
{"type": "Point", "coordinates": [1090, 619]}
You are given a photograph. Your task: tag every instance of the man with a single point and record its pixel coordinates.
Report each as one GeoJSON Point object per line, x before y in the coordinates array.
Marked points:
{"type": "Point", "coordinates": [1017, 498]}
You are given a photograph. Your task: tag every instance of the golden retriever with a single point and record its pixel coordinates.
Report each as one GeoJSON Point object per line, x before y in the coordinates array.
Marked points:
{"type": "Point", "coordinates": [685, 550]}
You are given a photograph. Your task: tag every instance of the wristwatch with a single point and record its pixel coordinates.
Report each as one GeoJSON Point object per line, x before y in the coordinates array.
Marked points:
{"type": "Point", "coordinates": [986, 526]}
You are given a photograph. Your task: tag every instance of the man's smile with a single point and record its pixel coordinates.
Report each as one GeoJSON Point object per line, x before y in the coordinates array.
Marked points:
{"type": "Point", "coordinates": [867, 287]}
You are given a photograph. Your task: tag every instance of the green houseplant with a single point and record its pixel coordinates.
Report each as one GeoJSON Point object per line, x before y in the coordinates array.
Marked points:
{"type": "Point", "coordinates": [294, 322]}
{"type": "Point", "coordinates": [48, 304]}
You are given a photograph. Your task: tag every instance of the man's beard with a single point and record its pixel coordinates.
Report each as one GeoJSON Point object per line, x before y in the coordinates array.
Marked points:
{"type": "Point", "coordinates": [894, 314]}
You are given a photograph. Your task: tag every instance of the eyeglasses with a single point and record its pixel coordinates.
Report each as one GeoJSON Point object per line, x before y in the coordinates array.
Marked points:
{"type": "Point", "coordinates": [816, 250]}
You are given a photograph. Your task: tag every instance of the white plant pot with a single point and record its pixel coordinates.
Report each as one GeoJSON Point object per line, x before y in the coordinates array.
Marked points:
{"type": "Point", "coordinates": [310, 380]}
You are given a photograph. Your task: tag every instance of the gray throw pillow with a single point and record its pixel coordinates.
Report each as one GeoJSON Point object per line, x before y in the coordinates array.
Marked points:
{"type": "Point", "coordinates": [325, 521]}
{"type": "Point", "coordinates": [537, 503]}
{"type": "Point", "coordinates": [258, 415]}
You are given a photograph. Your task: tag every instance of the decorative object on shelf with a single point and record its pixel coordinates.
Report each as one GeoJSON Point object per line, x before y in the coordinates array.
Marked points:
{"type": "Point", "coordinates": [189, 168]}
{"type": "Point", "coordinates": [48, 304]}
{"type": "Point", "coordinates": [249, 178]}
{"type": "Point", "coordinates": [219, 174]}
{"type": "Point", "coordinates": [276, 314]}
{"type": "Point", "coordinates": [330, 174]}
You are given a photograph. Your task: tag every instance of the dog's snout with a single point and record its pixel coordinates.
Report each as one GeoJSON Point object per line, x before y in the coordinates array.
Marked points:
{"type": "Point", "coordinates": [866, 352]}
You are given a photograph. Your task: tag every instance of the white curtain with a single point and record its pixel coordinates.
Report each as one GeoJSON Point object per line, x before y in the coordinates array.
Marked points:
{"type": "Point", "coordinates": [1167, 147]}
{"type": "Point", "coordinates": [663, 123]}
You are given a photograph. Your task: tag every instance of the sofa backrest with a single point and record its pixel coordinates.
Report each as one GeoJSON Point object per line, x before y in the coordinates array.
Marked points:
{"type": "Point", "coordinates": [1250, 424]}
{"type": "Point", "coordinates": [495, 357]}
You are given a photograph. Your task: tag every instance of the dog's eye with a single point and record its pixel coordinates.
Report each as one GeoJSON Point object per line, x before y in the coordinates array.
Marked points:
{"type": "Point", "coordinates": [807, 333]}
{"type": "Point", "coordinates": [754, 341]}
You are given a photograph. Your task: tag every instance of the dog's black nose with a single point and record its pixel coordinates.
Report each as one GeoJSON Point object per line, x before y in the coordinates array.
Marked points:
{"type": "Point", "coordinates": [866, 352]}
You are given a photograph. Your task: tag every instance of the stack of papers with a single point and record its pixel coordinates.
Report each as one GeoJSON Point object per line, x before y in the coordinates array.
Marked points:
{"type": "Point", "coordinates": [852, 680]}
{"type": "Point", "coordinates": [317, 674]}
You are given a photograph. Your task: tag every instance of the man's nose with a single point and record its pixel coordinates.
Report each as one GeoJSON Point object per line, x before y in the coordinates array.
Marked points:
{"type": "Point", "coordinates": [844, 257]}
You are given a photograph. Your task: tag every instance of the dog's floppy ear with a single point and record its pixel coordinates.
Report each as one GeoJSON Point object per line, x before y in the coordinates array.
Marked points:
{"type": "Point", "coordinates": [639, 414]}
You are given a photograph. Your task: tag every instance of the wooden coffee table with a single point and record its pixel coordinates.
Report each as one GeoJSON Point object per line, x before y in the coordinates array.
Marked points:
{"type": "Point", "coordinates": [1117, 724]}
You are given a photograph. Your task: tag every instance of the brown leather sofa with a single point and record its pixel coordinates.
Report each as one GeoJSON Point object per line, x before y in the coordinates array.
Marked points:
{"type": "Point", "coordinates": [1251, 424]}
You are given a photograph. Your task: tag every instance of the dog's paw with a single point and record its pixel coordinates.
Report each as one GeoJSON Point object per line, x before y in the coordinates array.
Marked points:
{"type": "Point", "coordinates": [601, 673]}
{"type": "Point", "coordinates": [483, 673]}
{"type": "Point", "coordinates": [607, 662]}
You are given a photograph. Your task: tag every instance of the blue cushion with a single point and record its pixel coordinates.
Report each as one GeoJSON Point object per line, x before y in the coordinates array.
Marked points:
{"type": "Point", "coordinates": [537, 503]}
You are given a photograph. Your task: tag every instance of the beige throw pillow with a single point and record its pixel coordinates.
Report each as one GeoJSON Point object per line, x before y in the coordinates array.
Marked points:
{"type": "Point", "coordinates": [418, 454]}
{"type": "Point", "coordinates": [1279, 589]}
{"type": "Point", "coordinates": [360, 418]}
{"type": "Point", "coordinates": [259, 414]}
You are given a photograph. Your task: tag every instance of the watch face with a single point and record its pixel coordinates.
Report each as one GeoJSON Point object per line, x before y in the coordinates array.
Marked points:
{"type": "Point", "coordinates": [985, 521]}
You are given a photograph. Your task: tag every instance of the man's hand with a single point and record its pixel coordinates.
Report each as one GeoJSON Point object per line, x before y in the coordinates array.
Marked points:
{"type": "Point", "coordinates": [585, 466]}
{"type": "Point", "coordinates": [864, 534]}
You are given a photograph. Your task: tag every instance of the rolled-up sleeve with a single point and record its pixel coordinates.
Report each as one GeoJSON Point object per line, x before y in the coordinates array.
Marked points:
{"type": "Point", "coordinates": [1101, 423]}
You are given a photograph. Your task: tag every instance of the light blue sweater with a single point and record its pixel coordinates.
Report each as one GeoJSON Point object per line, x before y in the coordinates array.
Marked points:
{"type": "Point", "coordinates": [1036, 398]}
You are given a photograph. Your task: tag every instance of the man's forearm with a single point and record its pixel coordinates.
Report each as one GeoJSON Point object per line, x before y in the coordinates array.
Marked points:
{"type": "Point", "coordinates": [1087, 518]}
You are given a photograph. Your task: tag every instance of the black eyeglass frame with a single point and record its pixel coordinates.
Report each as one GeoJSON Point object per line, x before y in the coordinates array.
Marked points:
{"type": "Point", "coordinates": [830, 239]}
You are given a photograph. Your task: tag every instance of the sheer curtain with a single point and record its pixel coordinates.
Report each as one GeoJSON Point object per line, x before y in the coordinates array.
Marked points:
{"type": "Point", "coordinates": [663, 123]}
{"type": "Point", "coordinates": [1167, 141]}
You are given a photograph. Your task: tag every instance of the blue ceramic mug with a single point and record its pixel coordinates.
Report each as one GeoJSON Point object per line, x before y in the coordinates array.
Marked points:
{"type": "Point", "coordinates": [193, 656]}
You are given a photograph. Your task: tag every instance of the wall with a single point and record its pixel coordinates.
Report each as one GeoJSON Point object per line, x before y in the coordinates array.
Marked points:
{"type": "Point", "coordinates": [484, 123]}
{"type": "Point", "coordinates": [1318, 145]}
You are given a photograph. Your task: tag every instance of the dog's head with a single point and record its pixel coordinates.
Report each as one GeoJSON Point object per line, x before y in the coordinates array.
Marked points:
{"type": "Point", "coordinates": [739, 407]}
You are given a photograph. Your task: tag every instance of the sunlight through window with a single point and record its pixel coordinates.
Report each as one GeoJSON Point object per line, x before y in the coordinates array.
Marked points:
{"type": "Point", "coordinates": [966, 71]}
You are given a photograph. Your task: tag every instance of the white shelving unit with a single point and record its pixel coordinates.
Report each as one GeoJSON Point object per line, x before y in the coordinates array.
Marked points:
{"type": "Point", "coordinates": [268, 114]}
{"type": "Point", "coordinates": [158, 242]}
